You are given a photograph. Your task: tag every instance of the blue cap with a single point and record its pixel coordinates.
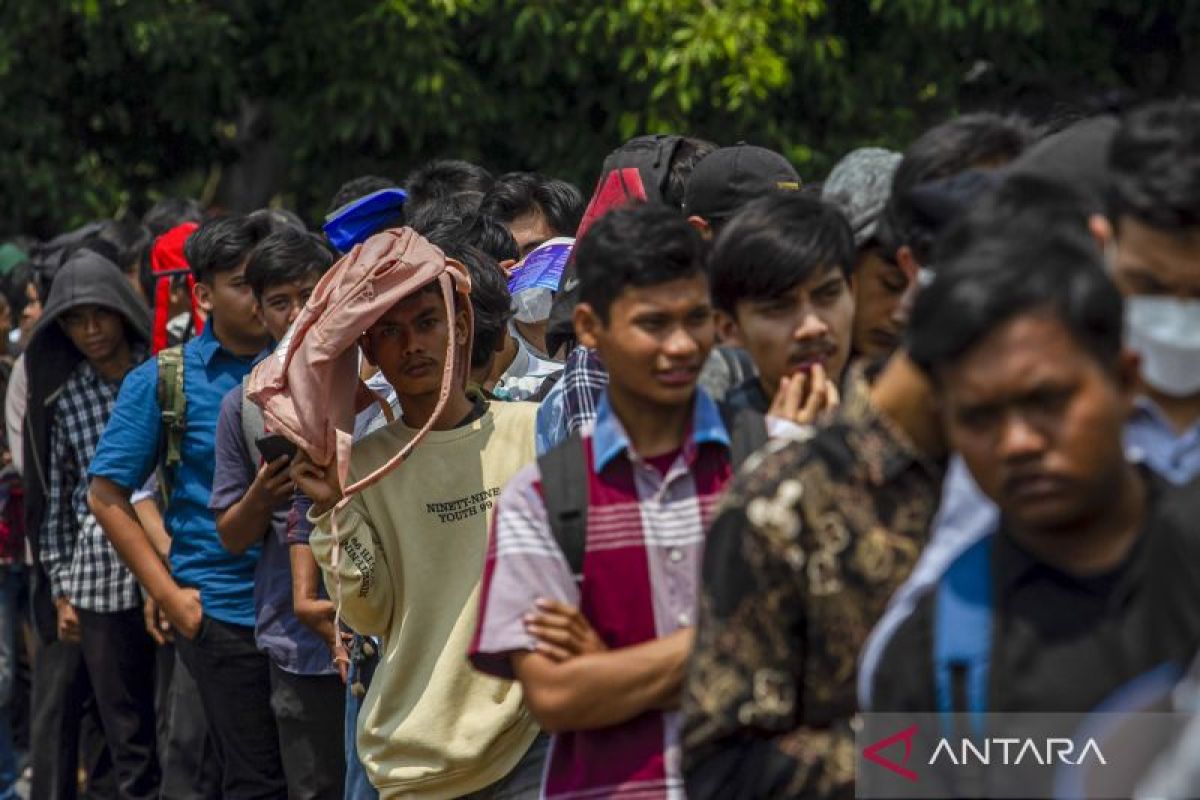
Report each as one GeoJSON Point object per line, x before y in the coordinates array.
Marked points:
{"type": "Point", "coordinates": [360, 219]}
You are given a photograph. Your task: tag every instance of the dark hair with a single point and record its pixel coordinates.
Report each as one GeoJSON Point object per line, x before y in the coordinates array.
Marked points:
{"type": "Point", "coordinates": [516, 194]}
{"type": "Point", "coordinates": [972, 141]}
{"type": "Point", "coordinates": [775, 243]}
{"type": "Point", "coordinates": [478, 230]}
{"type": "Point", "coordinates": [280, 218]}
{"type": "Point", "coordinates": [461, 182]}
{"type": "Point", "coordinates": [131, 241]}
{"type": "Point", "coordinates": [491, 303]}
{"type": "Point", "coordinates": [444, 211]}
{"type": "Point", "coordinates": [15, 285]}
{"type": "Point", "coordinates": [222, 243]}
{"type": "Point", "coordinates": [356, 188]}
{"type": "Point", "coordinates": [688, 153]}
{"type": "Point", "coordinates": [998, 277]}
{"type": "Point", "coordinates": [170, 212]}
{"type": "Point", "coordinates": [287, 255]}
{"type": "Point", "coordinates": [1154, 161]}
{"type": "Point", "coordinates": [1016, 206]}
{"type": "Point", "coordinates": [642, 245]}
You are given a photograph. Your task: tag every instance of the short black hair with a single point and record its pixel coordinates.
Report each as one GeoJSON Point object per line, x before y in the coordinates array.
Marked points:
{"type": "Point", "coordinates": [971, 141]}
{"type": "Point", "coordinates": [1054, 269]}
{"type": "Point", "coordinates": [688, 153]}
{"type": "Point", "coordinates": [636, 246]}
{"type": "Point", "coordinates": [1015, 206]}
{"type": "Point", "coordinates": [478, 230]}
{"type": "Point", "coordinates": [222, 243]}
{"type": "Point", "coordinates": [1154, 161]}
{"type": "Point", "coordinates": [356, 188]}
{"type": "Point", "coordinates": [516, 194]}
{"type": "Point", "coordinates": [130, 239]}
{"type": "Point", "coordinates": [280, 218]}
{"type": "Point", "coordinates": [773, 244]}
{"type": "Point", "coordinates": [462, 183]}
{"type": "Point", "coordinates": [491, 303]}
{"type": "Point", "coordinates": [15, 287]}
{"type": "Point", "coordinates": [434, 214]}
{"type": "Point", "coordinates": [287, 255]}
{"type": "Point", "coordinates": [170, 212]}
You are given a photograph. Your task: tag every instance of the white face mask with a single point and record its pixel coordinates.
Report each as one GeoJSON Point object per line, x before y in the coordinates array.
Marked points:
{"type": "Point", "coordinates": [1166, 332]}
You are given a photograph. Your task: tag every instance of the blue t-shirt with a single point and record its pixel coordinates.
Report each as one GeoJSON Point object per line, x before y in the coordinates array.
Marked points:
{"type": "Point", "coordinates": [128, 454]}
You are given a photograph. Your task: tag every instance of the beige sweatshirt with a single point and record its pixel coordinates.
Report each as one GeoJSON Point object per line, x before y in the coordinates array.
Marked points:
{"type": "Point", "coordinates": [413, 548]}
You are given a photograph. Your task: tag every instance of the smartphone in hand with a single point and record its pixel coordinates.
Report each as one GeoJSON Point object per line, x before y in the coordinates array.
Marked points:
{"type": "Point", "coordinates": [273, 446]}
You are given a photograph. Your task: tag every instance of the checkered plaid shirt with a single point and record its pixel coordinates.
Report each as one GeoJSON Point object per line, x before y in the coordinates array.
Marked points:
{"type": "Point", "coordinates": [81, 563]}
{"type": "Point", "coordinates": [584, 381]}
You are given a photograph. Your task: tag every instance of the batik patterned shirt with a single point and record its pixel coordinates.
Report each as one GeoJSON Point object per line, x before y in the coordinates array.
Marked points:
{"type": "Point", "coordinates": [806, 550]}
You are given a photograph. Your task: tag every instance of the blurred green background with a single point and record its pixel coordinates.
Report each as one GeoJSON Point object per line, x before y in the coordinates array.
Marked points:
{"type": "Point", "coordinates": [105, 106]}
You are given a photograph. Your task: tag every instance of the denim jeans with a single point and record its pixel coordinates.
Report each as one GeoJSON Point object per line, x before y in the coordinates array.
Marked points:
{"type": "Point", "coordinates": [358, 786]}
{"type": "Point", "coordinates": [12, 584]}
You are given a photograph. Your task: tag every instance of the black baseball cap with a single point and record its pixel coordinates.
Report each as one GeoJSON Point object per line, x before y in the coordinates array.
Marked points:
{"type": "Point", "coordinates": [728, 178]}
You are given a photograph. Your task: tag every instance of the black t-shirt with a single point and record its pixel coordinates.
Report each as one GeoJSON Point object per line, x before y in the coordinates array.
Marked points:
{"type": "Point", "coordinates": [1062, 643]}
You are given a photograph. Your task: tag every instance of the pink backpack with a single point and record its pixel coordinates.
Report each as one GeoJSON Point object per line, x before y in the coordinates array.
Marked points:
{"type": "Point", "coordinates": [304, 387]}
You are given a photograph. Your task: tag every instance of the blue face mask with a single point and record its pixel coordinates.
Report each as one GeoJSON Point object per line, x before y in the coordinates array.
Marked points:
{"type": "Point", "coordinates": [360, 219]}
{"type": "Point", "coordinates": [1165, 331]}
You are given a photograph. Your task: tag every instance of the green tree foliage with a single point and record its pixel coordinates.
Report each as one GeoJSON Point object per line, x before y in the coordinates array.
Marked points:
{"type": "Point", "coordinates": [108, 104]}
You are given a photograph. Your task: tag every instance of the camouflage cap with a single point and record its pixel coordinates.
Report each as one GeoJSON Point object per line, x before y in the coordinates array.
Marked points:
{"type": "Point", "coordinates": [860, 185]}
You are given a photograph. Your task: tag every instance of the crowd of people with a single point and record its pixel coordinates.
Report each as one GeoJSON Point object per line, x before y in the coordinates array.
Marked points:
{"type": "Point", "coordinates": [490, 490]}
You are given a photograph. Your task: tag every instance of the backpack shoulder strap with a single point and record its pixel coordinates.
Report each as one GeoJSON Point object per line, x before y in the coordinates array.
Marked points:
{"type": "Point", "coordinates": [747, 432]}
{"type": "Point", "coordinates": [564, 478]}
{"type": "Point", "coordinates": [172, 405]}
{"type": "Point", "coordinates": [962, 636]}
{"type": "Point", "coordinates": [254, 426]}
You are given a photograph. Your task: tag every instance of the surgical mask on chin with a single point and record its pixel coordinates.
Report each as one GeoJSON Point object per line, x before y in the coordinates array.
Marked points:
{"type": "Point", "coordinates": [1165, 331]}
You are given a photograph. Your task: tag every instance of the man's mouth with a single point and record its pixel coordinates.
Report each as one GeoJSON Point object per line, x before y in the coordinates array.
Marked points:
{"type": "Point", "coordinates": [419, 369]}
{"type": "Point", "coordinates": [677, 376]}
{"type": "Point", "coordinates": [1033, 486]}
{"type": "Point", "coordinates": [804, 362]}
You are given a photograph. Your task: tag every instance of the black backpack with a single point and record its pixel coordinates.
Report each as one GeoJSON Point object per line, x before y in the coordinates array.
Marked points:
{"type": "Point", "coordinates": [564, 478]}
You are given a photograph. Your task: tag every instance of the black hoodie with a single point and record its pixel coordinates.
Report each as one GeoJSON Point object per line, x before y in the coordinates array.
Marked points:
{"type": "Point", "coordinates": [87, 278]}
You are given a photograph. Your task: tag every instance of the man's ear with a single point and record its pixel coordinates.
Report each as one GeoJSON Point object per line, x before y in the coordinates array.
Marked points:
{"type": "Point", "coordinates": [462, 325]}
{"type": "Point", "coordinates": [588, 325]}
{"type": "Point", "coordinates": [728, 331]}
{"type": "Point", "coordinates": [1101, 230]}
{"type": "Point", "coordinates": [1129, 375]}
{"type": "Point", "coordinates": [507, 266]}
{"type": "Point", "coordinates": [701, 224]}
{"type": "Point", "coordinates": [202, 294]}
{"type": "Point", "coordinates": [907, 261]}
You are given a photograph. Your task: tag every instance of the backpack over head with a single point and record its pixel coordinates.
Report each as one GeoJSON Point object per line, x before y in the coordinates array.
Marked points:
{"type": "Point", "coordinates": [304, 389]}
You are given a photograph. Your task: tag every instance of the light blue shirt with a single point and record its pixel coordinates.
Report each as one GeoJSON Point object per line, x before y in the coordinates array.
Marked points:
{"type": "Point", "coordinates": [966, 515]}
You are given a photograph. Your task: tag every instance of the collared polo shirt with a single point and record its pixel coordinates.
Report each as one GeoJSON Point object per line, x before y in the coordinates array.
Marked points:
{"type": "Point", "coordinates": [641, 564]}
{"type": "Point", "coordinates": [128, 453]}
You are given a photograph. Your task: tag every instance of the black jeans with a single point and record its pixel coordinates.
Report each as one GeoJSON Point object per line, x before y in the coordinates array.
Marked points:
{"type": "Point", "coordinates": [309, 710]}
{"type": "Point", "coordinates": [119, 655]}
{"type": "Point", "coordinates": [65, 728]}
{"type": "Point", "coordinates": [234, 680]}
{"type": "Point", "coordinates": [190, 766]}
